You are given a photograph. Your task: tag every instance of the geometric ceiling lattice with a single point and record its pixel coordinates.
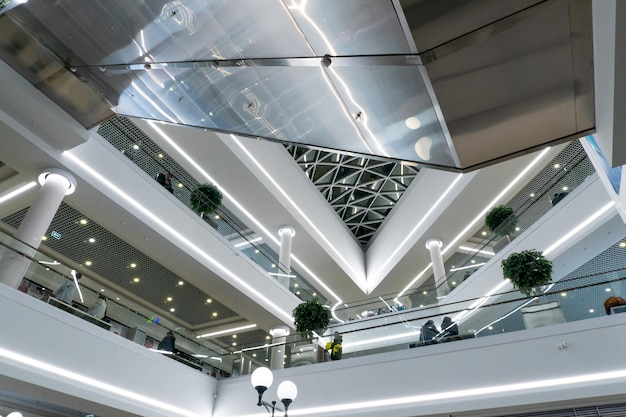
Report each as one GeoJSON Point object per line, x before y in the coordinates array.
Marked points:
{"type": "Point", "coordinates": [362, 191]}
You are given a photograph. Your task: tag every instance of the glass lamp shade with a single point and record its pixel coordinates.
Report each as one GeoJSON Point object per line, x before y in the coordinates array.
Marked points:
{"type": "Point", "coordinates": [287, 390]}
{"type": "Point", "coordinates": [262, 377]}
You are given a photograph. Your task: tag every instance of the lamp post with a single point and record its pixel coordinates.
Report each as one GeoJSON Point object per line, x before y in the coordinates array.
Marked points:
{"type": "Point", "coordinates": [287, 391]}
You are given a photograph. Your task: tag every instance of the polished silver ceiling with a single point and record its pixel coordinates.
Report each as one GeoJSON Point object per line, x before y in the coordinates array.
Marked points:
{"type": "Point", "coordinates": [455, 85]}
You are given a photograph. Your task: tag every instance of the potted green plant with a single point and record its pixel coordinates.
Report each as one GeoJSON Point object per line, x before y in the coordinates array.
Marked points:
{"type": "Point", "coordinates": [501, 220]}
{"type": "Point", "coordinates": [527, 271]}
{"type": "Point", "coordinates": [311, 316]}
{"type": "Point", "coordinates": [205, 199]}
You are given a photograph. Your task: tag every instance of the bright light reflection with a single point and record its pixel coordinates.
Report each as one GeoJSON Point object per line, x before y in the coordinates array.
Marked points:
{"type": "Point", "coordinates": [226, 331]}
{"type": "Point", "coordinates": [17, 191]}
{"type": "Point", "coordinates": [530, 385]}
{"type": "Point", "coordinates": [30, 362]}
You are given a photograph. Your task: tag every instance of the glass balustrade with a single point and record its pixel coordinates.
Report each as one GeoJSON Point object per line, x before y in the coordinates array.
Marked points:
{"type": "Point", "coordinates": [125, 314]}
{"type": "Point", "coordinates": [563, 301]}
{"type": "Point", "coordinates": [153, 161]}
{"type": "Point", "coordinates": [562, 175]}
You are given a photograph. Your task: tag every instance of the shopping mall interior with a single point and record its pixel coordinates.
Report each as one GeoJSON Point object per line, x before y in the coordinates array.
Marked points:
{"type": "Point", "coordinates": [358, 147]}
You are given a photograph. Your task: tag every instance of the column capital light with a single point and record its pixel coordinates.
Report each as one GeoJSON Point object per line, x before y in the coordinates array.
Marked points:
{"type": "Point", "coordinates": [433, 241]}
{"type": "Point", "coordinates": [279, 331]}
{"type": "Point", "coordinates": [69, 177]}
{"type": "Point", "coordinates": [286, 229]}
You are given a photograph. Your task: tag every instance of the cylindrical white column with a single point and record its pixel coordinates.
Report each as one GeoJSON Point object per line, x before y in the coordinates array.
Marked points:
{"type": "Point", "coordinates": [55, 184]}
{"type": "Point", "coordinates": [286, 234]}
{"type": "Point", "coordinates": [279, 335]}
{"type": "Point", "coordinates": [439, 271]}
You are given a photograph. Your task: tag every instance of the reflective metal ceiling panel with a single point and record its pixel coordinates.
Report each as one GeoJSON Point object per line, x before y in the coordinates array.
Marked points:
{"type": "Point", "coordinates": [350, 27]}
{"type": "Point", "coordinates": [397, 117]}
{"type": "Point", "coordinates": [133, 31]}
{"type": "Point", "coordinates": [507, 77]}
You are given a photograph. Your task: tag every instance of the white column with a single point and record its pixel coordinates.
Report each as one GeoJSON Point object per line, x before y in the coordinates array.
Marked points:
{"type": "Point", "coordinates": [439, 271]}
{"type": "Point", "coordinates": [55, 184]}
{"type": "Point", "coordinates": [286, 234]}
{"type": "Point", "coordinates": [279, 335]}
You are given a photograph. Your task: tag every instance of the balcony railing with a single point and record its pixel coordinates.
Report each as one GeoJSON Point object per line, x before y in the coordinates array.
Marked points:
{"type": "Point", "coordinates": [144, 153]}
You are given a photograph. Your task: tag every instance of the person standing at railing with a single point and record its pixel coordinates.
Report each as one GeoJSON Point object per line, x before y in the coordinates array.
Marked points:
{"type": "Point", "coordinates": [168, 342]}
{"type": "Point", "coordinates": [166, 181]}
{"type": "Point", "coordinates": [334, 347]}
{"type": "Point", "coordinates": [448, 328]}
{"type": "Point", "coordinates": [428, 333]}
{"type": "Point", "coordinates": [67, 290]}
{"type": "Point", "coordinates": [99, 308]}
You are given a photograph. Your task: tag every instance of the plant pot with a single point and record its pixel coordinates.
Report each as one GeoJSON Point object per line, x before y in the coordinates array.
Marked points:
{"type": "Point", "coordinates": [542, 314]}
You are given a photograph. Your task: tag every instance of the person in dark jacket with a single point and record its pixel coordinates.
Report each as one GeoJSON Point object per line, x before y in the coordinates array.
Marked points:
{"type": "Point", "coordinates": [428, 333]}
{"type": "Point", "coordinates": [448, 328]}
{"type": "Point", "coordinates": [168, 342]}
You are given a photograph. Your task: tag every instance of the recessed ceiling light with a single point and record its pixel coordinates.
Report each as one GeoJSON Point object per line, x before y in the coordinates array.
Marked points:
{"type": "Point", "coordinates": [117, 298]}
{"type": "Point", "coordinates": [421, 305]}
{"type": "Point", "coordinates": [490, 327]}
{"type": "Point", "coordinates": [622, 244]}
{"type": "Point", "coordinates": [563, 294]}
{"type": "Point", "coordinates": [314, 294]}
{"type": "Point", "coordinates": [591, 310]}
{"type": "Point", "coordinates": [273, 265]}
{"type": "Point", "coordinates": [267, 337]}
{"type": "Point", "coordinates": [413, 123]}
{"type": "Point", "coordinates": [564, 188]}
{"type": "Point", "coordinates": [172, 309]}
{"type": "Point", "coordinates": [234, 336]}
{"type": "Point", "coordinates": [180, 185]}
{"type": "Point", "coordinates": [135, 147]}
{"type": "Point", "coordinates": [517, 229]}
{"type": "Point", "coordinates": [136, 279]}
{"type": "Point", "coordinates": [484, 233]}
{"type": "Point", "coordinates": [297, 292]}
{"type": "Point", "coordinates": [88, 263]}
{"type": "Point", "coordinates": [254, 355]}
{"type": "Point", "coordinates": [296, 285]}
{"type": "Point", "coordinates": [532, 194]}
{"type": "Point", "coordinates": [44, 238]}
{"type": "Point", "coordinates": [160, 155]}
{"type": "Point", "coordinates": [91, 240]}
{"type": "Point", "coordinates": [101, 289]}
{"type": "Point", "coordinates": [425, 292]}
{"type": "Point", "coordinates": [181, 283]}
{"type": "Point", "coordinates": [133, 265]}
{"type": "Point", "coordinates": [83, 221]}
{"type": "Point", "coordinates": [557, 166]}
{"type": "Point", "coordinates": [423, 147]}
{"type": "Point", "coordinates": [169, 298]}
{"type": "Point", "coordinates": [214, 314]}
{"type": "Point", "coordinates": [473, 261]}
{"type": "Point", "coordinates": [608, 290]}
{"type": "Point", "coordinates": [256, 251]}
{"type": "Point", "coordinates": [234, 343]}
{"type": "Point", "coordinates": [453, 282]}
{"type": "Point", "coordinates": [209, 301]}
{"type": "Point", "coordinates": [217, 216]}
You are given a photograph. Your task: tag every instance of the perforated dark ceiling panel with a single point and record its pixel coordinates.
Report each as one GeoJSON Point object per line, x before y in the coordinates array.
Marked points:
{"type": "Point", "coordinates": [112, 258]}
